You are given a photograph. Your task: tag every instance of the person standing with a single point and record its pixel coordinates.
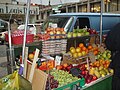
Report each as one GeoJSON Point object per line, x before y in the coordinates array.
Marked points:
{"type": "Point", "coordinates": [112, 43]}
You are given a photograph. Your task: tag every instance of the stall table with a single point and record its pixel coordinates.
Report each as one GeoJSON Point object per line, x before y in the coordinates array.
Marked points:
{"type": "Point", "coordinates": [101, 84]}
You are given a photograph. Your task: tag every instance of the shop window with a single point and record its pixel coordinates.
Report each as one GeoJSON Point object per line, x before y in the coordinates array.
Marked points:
{"type": "Point", "coordinates": [113, 5]}
{"type": "Point", "coordinates": [95, 7]}
{"type": "Point", "coordinates": [119, 5]}
{"type": "Point", "coordinates": [82, 23]}
{"type": "Point", "coordinates": [84, 8]}
{"type": "Point", "coordinates": [79, 8]}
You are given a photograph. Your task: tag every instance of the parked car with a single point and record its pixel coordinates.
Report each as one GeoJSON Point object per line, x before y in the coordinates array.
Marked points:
{"type": "Point", "coordinates": [70, 21]}
{"type": "Point", "coordinates": [34, 28]}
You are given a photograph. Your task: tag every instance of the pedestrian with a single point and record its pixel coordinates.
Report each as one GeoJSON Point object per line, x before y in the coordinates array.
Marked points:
{"type": "Point", "coordinates": [112, 43]}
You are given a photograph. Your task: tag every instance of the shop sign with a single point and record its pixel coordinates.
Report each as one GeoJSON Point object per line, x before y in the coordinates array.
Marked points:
{"type": "Point", "coordinates": [18, 9]}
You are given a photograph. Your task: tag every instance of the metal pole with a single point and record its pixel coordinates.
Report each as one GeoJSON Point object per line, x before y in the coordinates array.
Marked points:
{"type": "Point", "coordinates": [26, 23]}
{"type": "Point", "coordinates": [101, 14]}
{"type": "Point", "coordinates": [10, 44]}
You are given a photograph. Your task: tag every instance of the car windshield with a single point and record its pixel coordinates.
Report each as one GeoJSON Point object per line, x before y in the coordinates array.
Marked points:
{"type": "Point", "coordinates": [57, 22]}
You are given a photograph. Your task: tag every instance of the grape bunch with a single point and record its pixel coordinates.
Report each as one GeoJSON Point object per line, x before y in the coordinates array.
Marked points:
{"type": "Point", "coordinates": [63, 77]}
{"type": "Point", "coordinates": [51, 83]}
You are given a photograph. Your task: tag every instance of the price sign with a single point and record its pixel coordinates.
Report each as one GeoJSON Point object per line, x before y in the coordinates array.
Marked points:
{"type": "Point", "coordinates": [92, 57]}
{"type": "Point", "coordinates": [94, 45]}
{"type": "Point", "coordinates": [58, 60]}
{"type": "Point", "coordinates": [101, 49]}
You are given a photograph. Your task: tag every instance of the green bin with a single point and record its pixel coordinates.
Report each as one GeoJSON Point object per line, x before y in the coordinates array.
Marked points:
{"type": "Point", "coordinates": [70, 86]}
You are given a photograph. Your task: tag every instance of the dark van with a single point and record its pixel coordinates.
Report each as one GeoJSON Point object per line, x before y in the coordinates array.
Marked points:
{"type": "Point", "coordinates": [70, 21]}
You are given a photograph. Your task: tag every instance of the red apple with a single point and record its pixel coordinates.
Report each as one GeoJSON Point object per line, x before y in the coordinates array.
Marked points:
{"type": "Point", "coordinates": [88, 81]}
{"type": "Point", "coordinates": [94, 78]}
{"type": "Point", "coordinates": [69, 67]}
{"type": "Point", "coordinates": [83, 72]}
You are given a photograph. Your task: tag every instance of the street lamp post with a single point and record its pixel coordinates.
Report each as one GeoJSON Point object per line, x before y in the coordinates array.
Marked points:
{"type": "Point", "coordinates": [102, 7]}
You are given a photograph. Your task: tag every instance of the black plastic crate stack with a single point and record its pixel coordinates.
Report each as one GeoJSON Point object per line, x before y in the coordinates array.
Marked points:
{"type": "Point", "coordinates": [51, 47]}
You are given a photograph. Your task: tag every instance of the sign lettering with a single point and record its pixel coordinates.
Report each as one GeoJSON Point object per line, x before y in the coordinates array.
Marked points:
{"type": "Point", "coordinates": [18, 9]}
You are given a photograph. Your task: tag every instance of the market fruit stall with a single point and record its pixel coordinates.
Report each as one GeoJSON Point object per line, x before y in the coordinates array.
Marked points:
{"type": "Point", "coordinates": [101, 84]}
{"type": "Point", "coordinates": [70, 62]}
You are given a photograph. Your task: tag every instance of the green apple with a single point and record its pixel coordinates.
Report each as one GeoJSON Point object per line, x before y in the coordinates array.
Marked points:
{"type": "Point", "coordinates": [74, 34]}
{"type": "Point", "coordinates": [79, 34]}
{"type": "Point", "coordinates": [104, 55]}
{"type": "Point", "coordinates": [69, 35]}
{"type": "Point", "coordinates": [87, 33]}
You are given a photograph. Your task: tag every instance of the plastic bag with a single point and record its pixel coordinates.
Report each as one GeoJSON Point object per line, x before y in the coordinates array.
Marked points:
{"type": "Point", "coordinates": [10, 82]}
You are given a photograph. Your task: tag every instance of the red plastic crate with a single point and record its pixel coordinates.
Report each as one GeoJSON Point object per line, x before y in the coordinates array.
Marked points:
{"type": "Point", "coordinates": [18, 39]}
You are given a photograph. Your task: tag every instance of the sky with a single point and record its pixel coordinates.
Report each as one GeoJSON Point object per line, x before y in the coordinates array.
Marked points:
{"type": "Point", "coordinates": [52, 2]}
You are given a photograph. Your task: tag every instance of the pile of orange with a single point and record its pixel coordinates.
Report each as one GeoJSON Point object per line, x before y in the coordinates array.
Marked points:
{"type": "Point", "coordinates": [93, 49]}
{"type": "Point", "coordinates": [81, 50]}
{"type": "Point", "coordinates": [104, 63]}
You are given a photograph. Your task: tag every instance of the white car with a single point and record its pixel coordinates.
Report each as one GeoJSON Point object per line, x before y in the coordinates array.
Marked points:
{"type": "Point", "coordinates": [34, 28]}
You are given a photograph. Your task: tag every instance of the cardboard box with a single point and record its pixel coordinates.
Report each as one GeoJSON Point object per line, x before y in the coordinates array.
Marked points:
{"type": "Point", "coordinates": [39, 78]}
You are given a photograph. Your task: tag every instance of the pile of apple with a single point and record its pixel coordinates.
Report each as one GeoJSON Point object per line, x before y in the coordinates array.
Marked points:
{"type": "Point", "coordinates": [97, 69]}
{"type": "Point", "coordinates": [104, 56]}
{"type": "Point", "coordinates": [81, 50]}
{"type": "Point", "coordinates": [44, 36]}
{"type": "Point", "coordinates": [78, 33]}
{"type": "Point", "coordinates": [92, 31]}
{"type": "Point", "coordinates": [85, 73]}
{"type": "Point", "coordinates": [56, 33]}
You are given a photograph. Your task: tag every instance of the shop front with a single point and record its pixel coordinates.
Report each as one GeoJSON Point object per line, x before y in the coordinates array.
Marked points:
{"type": "Point", "coordinates": [18, 12]}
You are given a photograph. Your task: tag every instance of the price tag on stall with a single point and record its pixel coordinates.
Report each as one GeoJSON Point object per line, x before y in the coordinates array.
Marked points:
{"type": "Point", "coordinates": [101, 49]}
{"type": "Point", "coordinates": [92, 57]}
{"type": "Point", "coordinates": [94, 45]}
{"type": "Point", "coordinates": [57, 60]}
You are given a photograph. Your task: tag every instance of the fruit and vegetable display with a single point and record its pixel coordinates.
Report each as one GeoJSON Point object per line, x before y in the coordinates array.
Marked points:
{"type": "Point", "coordinates": [82, 50]}
{"type": "Point", "coordinates": [81, 32]}
{"type": "Point", "coordinates": [104, 56]}
{"type": "Point", "coordinates": [79, 51]}
{"type": "Point", "coordinates": [97, 69]}
{"type": "Point", "coordinates": [63, 77]}
{"type": "Point", "coordinates": [56, 33]}
{"type": "Point", "coordinates": [59, 33]}
{"type": "Point", "coordinates": [51, 83]}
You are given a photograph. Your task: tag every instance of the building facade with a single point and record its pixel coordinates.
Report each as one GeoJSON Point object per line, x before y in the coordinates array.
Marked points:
{"type": "Point", "coordinates": [83, 6]}
{"type": "Point", "coordinates": [10, 9]}
{"type": "Point", "coordinates": [92, 6]}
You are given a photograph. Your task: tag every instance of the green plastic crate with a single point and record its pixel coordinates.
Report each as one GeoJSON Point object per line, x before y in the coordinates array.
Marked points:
{"type": "Point", "coordinates": [69, 86]}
